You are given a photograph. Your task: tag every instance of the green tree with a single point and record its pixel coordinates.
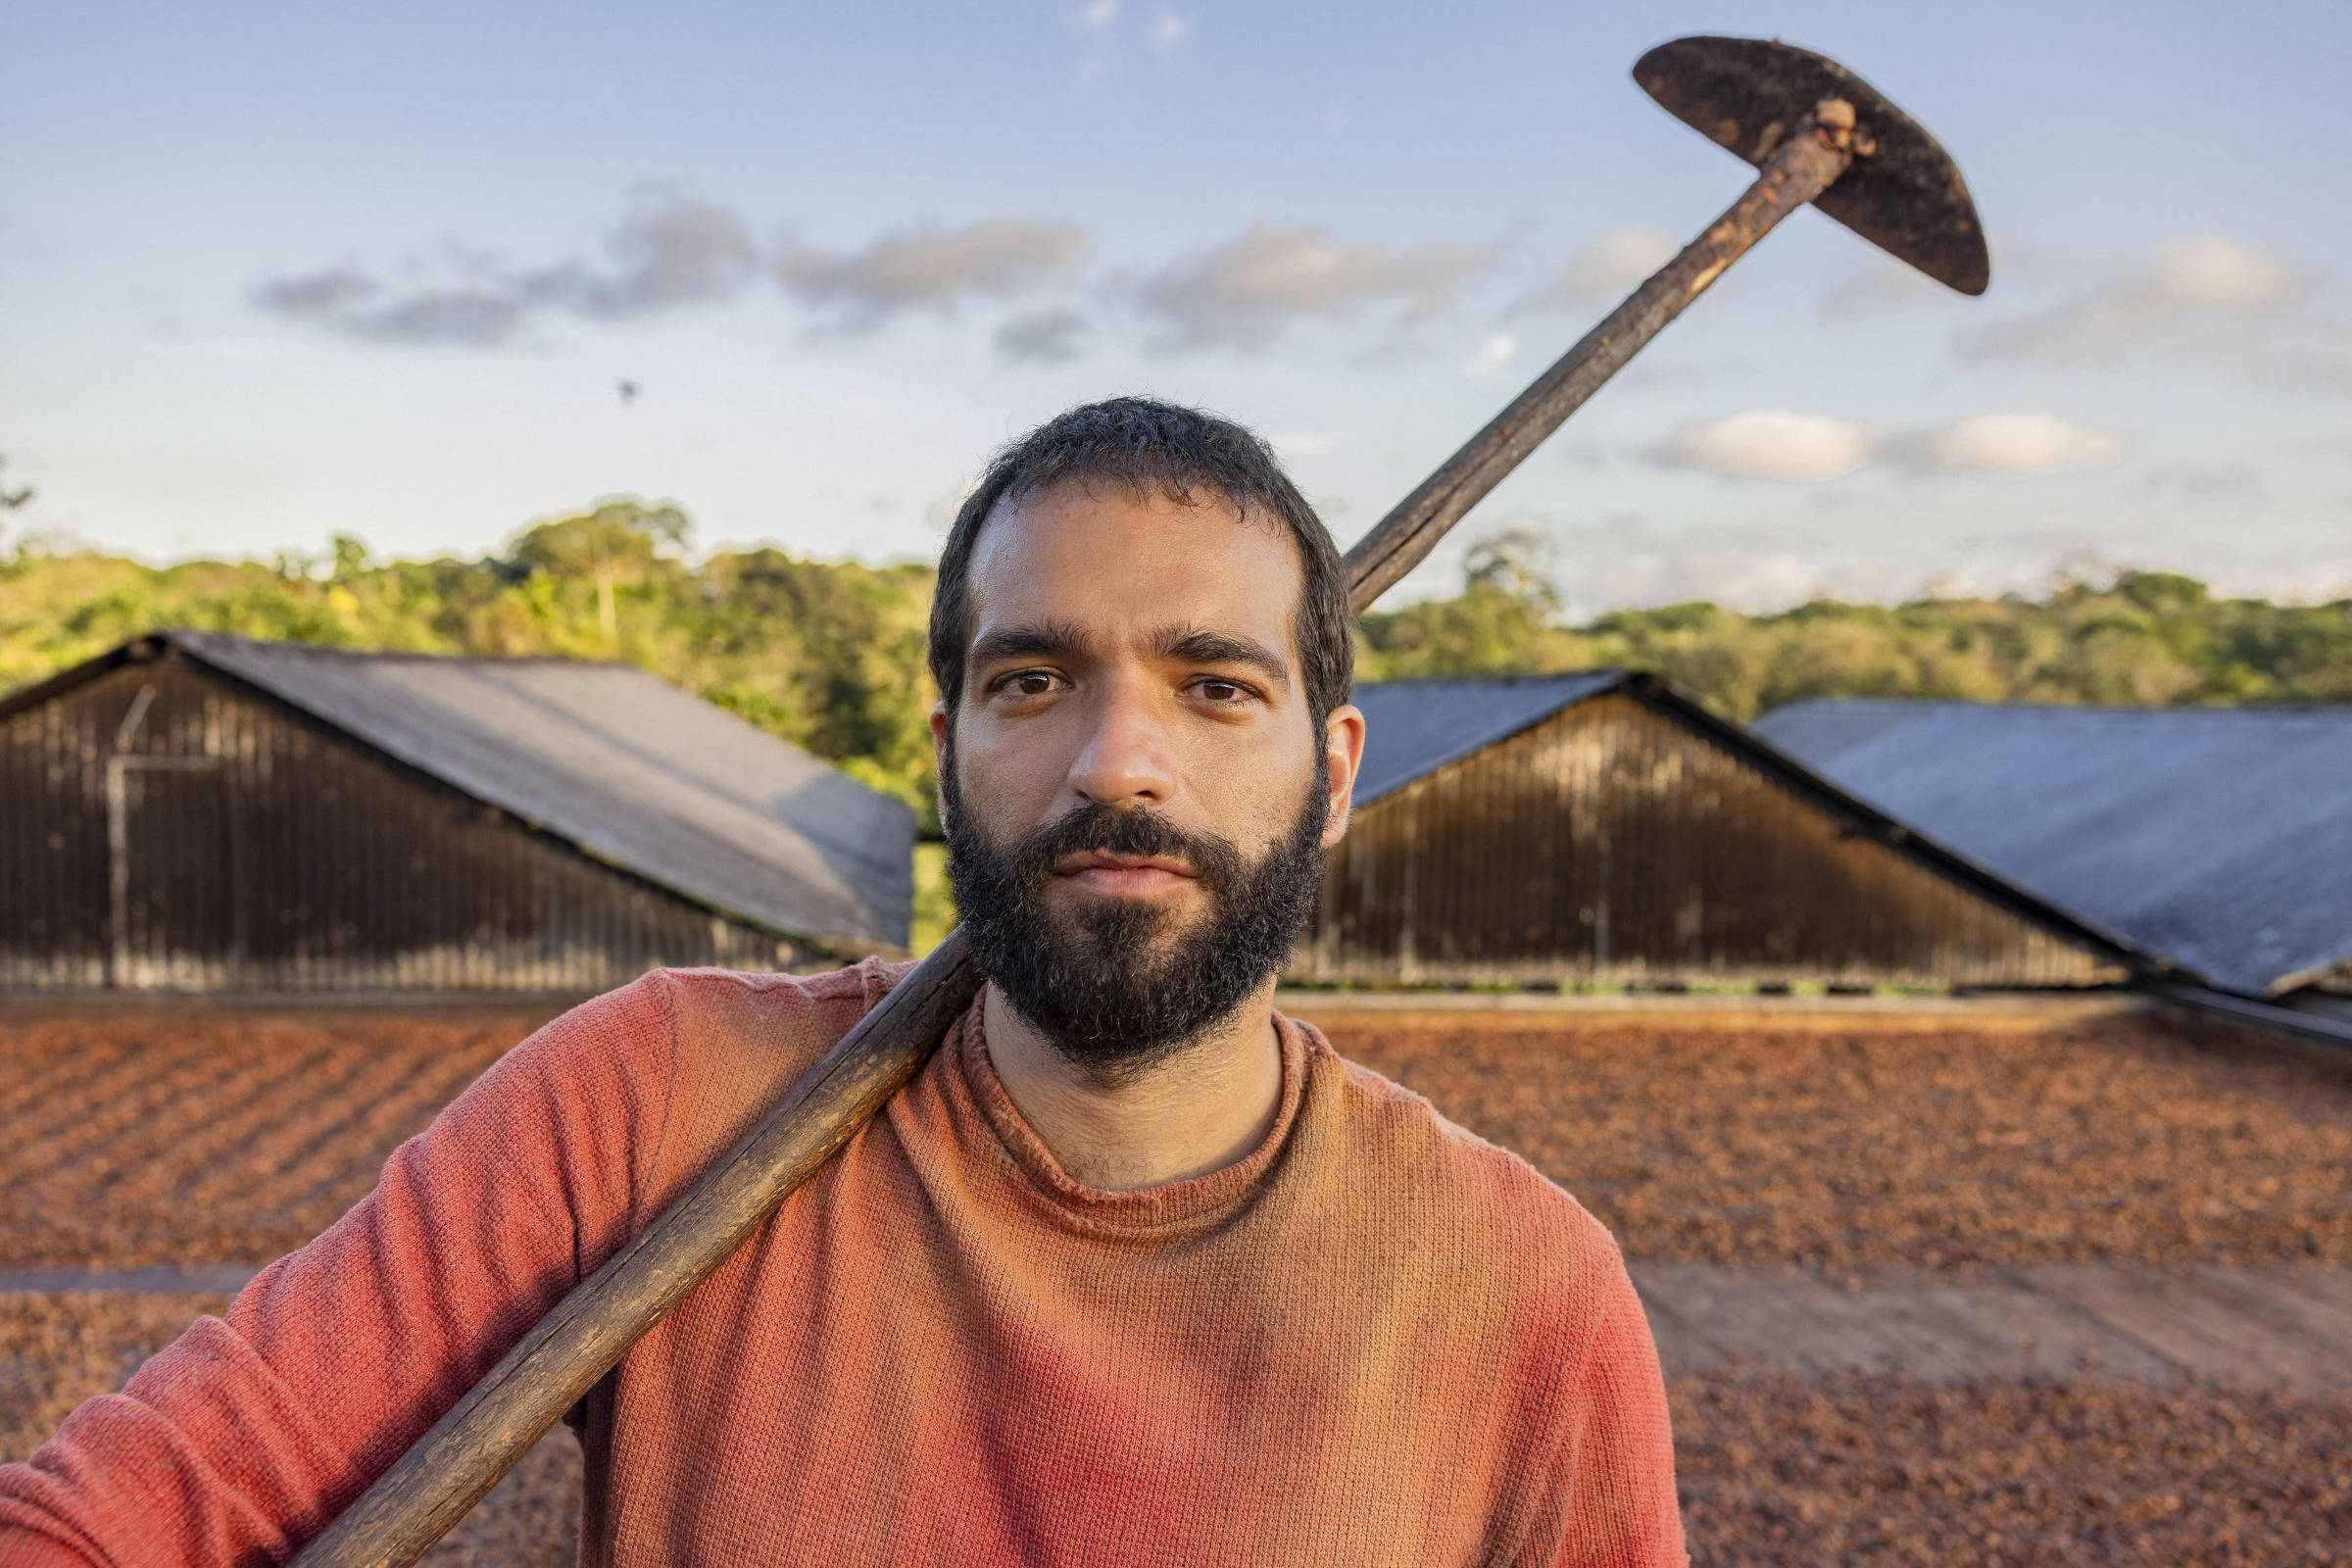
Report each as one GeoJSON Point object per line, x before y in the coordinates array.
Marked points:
{"type": "Point", "coordinates": [1502, 621]}
{"type": "Point", "coordinates": [620, 542]}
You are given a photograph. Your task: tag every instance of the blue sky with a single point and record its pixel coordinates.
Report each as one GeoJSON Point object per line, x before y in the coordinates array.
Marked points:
{"type": "Point", "coordinates": [269, 273]}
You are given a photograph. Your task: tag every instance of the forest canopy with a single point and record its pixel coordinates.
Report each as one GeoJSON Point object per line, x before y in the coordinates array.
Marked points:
{"type": "Point", "coordinates": [830, 655]}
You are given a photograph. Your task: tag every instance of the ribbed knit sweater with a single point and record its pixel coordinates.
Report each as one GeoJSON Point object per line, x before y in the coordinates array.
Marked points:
{"type": "Point", "coordinates": [1374, 1340]}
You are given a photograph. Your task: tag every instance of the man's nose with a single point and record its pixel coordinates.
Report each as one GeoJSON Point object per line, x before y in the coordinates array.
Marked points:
{"type": "Point", "coordinates": [1125, 758]}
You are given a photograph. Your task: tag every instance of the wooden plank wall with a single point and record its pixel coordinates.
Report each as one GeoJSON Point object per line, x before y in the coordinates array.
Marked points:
{"type": "Point", "coordinates": [167, 830]}
{"type": "Point", "coordinates": [1616, 844]}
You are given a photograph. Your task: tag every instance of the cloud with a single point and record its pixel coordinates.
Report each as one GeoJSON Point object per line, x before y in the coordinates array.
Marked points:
{"type": "Point", "coordinates": [1168, 32]}
{"type": "Point", "coordinates": [2009, 443]}
{"type": "Point", "coordinates": [1772, 444]}
{"type": "Point", "coordinates": [320, 293]}
{"type": "Point", "coordinates": [1243, 293]}
{"type": "Point", "coordinates": [675, 253]}
{"type": "Point", "coordinates": [1041, 337]}
{"type": "Point", "coordinates": [2216, 271]}
{"type": "Point", "coordinates": [1614, 264]}
{"type": "Point", "coordinates": [2198, 298]}
{"type": "Point", "coordinates": [679, 253]}
{"type": "Point", "coordinates": [2188, 281]}
{"type": "Point", "coordinates": [1808, 448]}
{"type": "Point", "coordinates": [472, 318]}
{"type": "Point", "coordinates": [1097, 16]}
{"type": "Point", "coordinates": [997, 258]}
{"type": "Point", "coordinates": [358, 304]}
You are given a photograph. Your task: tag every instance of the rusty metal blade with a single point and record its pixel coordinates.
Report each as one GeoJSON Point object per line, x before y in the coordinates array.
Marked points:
{"type": "Point", "coordinates": [1907, 197]}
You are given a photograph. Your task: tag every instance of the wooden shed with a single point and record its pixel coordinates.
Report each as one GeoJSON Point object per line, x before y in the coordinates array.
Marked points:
{"type": "Point", "coordinates": [202, 814]}
{"type": "Point", "coordinates": [1604, 828]}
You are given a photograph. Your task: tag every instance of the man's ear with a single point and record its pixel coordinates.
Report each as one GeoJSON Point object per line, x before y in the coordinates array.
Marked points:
{"type": "Point", "coordinates": [1342, 755]}
{"type": "Point", "coordinates": [941, 719]}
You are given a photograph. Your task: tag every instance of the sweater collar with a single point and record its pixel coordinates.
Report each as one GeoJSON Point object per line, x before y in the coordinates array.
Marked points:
{"type": "Point", "coordinates": [1190, 1203]}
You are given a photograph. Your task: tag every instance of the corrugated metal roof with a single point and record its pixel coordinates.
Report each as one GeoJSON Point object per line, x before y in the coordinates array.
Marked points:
{"type": "Point", "coordinates": [1415, 727]}
{"type": "Point", "coordinates": [2218, 839]}
{"type": "Point", "coordinates": [633, 770]}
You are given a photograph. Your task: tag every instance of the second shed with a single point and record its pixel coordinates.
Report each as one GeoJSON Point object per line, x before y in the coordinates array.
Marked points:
{"type": "Point", "coordinates": [1604, 828]}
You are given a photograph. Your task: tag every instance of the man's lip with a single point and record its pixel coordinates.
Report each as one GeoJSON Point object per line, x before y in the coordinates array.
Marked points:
{"type": "Point", "coordinates": [1099, 861]}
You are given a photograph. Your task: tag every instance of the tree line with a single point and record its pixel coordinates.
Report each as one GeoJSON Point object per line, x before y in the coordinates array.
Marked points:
{"type": "Point", "coordinates": [829, 655]}
{"type": "Point", "coordinates": [2136, 638]}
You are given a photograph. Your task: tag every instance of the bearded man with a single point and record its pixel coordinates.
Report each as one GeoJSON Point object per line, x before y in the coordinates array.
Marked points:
{"type": "Point", "coordinates": [1135, 1271]}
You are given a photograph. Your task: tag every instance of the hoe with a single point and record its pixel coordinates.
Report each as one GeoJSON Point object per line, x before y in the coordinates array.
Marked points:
{"type": "Point", "coordinates": [1815, 132]}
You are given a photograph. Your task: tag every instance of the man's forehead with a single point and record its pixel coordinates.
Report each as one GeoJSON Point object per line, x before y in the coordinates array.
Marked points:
{"type": "Point", "coordinates": [1100, 553]}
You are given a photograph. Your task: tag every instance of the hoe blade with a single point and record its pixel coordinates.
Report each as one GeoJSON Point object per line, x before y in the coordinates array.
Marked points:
{"type": "Point", "coordinates": [1907, 197]}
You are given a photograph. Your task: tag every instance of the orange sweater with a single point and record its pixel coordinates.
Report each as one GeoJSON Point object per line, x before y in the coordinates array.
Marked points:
{"type": "Point", "coordinates": [1374, 1340]}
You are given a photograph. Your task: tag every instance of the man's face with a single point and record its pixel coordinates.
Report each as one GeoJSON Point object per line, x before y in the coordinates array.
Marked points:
{"type": "Point", "coordinates": [1137, 793]}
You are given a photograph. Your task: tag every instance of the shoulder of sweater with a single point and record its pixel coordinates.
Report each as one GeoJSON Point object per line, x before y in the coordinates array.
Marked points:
{"type": "Point", "coordinates": [1478, 1182]}
{"type": "Point", "coordinates": [741, 1039]}
{"type": "Point", "coordinates": [727, 1021]}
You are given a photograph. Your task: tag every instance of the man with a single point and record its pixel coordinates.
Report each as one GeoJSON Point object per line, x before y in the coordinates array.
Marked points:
{"type": "Point", "coordinates": [1135, 1271]}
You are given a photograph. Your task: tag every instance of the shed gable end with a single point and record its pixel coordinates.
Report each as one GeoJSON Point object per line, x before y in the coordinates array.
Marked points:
{"type": "Point", "coordinates": [171, 830]}
{"type": "Point", "coordinates": [1618, 843]}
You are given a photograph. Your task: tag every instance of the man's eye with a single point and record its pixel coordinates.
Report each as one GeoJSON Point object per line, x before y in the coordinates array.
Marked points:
{"type": "Point", "coordinates": [1222, 691]}
{"type": "Point", "coordinates": [1030, 684]}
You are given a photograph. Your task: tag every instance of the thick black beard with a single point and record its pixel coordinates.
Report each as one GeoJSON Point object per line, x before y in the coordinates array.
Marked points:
{"type": "Point", "coordinates": [1102, 985]}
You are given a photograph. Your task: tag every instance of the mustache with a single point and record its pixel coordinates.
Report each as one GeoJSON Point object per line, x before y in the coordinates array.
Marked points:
{"type": "Point", "coordinates": [1129, 831]}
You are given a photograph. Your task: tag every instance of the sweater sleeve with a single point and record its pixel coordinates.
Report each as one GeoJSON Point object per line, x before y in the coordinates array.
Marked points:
{"type": "Point", "coordinates": [248, 1434]}
{"type": "Point", "coordinates": [1616, 1499]}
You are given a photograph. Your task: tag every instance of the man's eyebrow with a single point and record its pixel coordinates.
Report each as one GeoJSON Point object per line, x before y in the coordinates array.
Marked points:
{"type": "Point", "coordinates": [1032, 639]}
{"type": "Point", "coordinates": [1198, 645]}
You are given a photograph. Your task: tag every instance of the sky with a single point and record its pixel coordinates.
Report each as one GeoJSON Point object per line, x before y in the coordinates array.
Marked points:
{"type": "Point", "coordinates": [424, 274]}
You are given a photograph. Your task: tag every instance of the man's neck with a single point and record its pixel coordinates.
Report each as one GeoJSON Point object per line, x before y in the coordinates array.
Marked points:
{"type": "Point", "coordinates": [1197, 1112]}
